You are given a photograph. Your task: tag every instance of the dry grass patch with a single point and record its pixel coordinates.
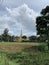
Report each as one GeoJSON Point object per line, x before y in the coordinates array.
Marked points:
{"type": "Point", "coordinates": [16, 47]}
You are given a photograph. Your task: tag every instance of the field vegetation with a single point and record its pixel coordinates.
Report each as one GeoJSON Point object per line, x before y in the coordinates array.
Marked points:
{"type": "Point", "coordinates": [24, 53]}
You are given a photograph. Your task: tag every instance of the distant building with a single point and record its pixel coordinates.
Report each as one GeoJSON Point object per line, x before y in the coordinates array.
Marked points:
{"type": "Point", "coordinates": [21, 34]}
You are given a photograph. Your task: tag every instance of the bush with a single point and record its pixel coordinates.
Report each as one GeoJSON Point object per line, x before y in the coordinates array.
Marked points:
{"type": "Point", "coordinates": [43, 48]}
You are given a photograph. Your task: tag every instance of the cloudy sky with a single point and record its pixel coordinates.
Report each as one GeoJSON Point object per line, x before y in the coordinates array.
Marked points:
{"type": "Point", "coordinates": [20, 14]}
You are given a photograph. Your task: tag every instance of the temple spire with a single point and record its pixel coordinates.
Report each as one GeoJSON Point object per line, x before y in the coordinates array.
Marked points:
{"type": "Point", "coordinates": [21, 36]}
{"type": "Point", "coordinates": [21, 33]}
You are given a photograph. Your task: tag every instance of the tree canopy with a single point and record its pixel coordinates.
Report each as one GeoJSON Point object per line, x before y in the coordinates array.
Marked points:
{"type": "Point", "coordinates": [42, 24]}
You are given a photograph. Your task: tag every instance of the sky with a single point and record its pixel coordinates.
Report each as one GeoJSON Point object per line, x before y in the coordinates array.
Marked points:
{"type": "Point", "coordinates": [17, 15]}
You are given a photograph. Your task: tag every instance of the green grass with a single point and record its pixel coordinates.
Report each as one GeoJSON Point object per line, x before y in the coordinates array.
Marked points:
{"type": "Point", "coordinates": [22, 54]}
{"type": "Point", "coordinates": [15, 42]}
{"type": "Point", "coordinates": [35, 58]}
{"type": "Point", "coordinates": [26, 58]}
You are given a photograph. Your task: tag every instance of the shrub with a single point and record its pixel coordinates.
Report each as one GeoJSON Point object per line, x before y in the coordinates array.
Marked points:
{"type": "Point", "coordinates": [43, 48]}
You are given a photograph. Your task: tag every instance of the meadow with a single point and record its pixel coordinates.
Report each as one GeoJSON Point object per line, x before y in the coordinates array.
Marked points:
{"type": "Point", "coordinates": [26, 53]}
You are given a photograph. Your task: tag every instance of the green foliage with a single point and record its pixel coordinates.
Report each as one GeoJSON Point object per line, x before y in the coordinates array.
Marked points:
{"type": "Point", "coordinates": [41, 29]}
{"type": "Point", "coordinates": [24, 37]}
{"type": "Point", "coordinates": [43, 48]}
{"type": "Point", "coordinates": [5, 35]}
{"type": "Point", "coordinates": [45, 10]}
{"type": "Point", "coordinates": [26, 58]}
{"type": "Point", "coordinates": [33, 38]}
{"type": "Point", "coordinates": [30, 58]}
{"type": "Point", "coordinates": [40, 20]}
{"type": "Point", "coordinates": [42, 23]}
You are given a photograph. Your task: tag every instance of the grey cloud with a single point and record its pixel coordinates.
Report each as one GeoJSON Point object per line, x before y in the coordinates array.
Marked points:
{"type": "Point", "coordinates": [24, 18]}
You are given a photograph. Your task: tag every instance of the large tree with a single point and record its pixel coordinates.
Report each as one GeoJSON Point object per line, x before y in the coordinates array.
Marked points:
{"type": "Point", "coordinates": [42, 23]}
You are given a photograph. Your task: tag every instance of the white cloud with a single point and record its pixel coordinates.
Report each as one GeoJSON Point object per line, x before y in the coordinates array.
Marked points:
{"type": "Point", "coordinates": [24, 9]}
{"type": "Point", "coordinates": [17, 18]}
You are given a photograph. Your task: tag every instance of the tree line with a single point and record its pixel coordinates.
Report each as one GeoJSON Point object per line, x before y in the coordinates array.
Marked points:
{"type": "Point", "coordinates": [6, 37]}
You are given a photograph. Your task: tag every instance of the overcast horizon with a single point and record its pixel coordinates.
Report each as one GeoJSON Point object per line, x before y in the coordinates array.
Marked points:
{"type": "Point", "coordinates": [20, 14]}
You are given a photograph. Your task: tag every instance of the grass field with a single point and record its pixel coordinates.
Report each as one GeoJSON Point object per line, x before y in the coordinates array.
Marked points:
{"type": "Point", "coordinates": [13, 47]}
{"type": "Point", "coordinates": [12, 53]}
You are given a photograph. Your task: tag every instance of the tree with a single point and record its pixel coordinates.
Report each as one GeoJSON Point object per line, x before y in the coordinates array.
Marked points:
{"type": "Point", "coordinates": [42, 23]}
{"type": "Point", "coordinates": [24, 37]}
{"type": "Point", "coordinates": [32, 38]}
{"type": "Point", "coordinates": [5, 35]}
